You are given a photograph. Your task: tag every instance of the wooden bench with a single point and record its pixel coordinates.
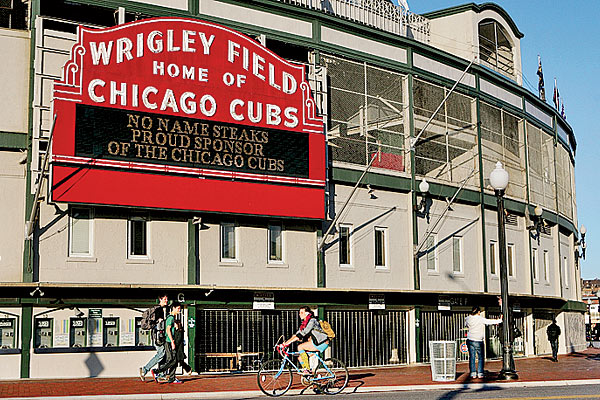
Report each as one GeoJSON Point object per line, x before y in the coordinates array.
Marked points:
{"type": "Point", "coordinates": [235, 359]}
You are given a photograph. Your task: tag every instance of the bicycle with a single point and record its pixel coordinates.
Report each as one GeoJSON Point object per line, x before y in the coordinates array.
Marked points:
{"type": "Point", "coordinates": [275, 377]}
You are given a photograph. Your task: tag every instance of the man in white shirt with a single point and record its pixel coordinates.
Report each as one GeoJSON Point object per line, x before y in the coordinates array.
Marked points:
{"type": "Point", "coordinates": [475, 337]}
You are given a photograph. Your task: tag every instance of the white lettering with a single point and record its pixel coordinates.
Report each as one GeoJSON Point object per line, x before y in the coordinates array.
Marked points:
{"type": "Point", "coordinates": [188, 72]}
{"type": "Point", "coordinates": [187, 40]}
{"type": "Point", "coordinates": [232, 52]}
{"type": "Point", "coordinates": [114, 93]}
{"type": "Point", "coordinates": [273, 114]}
{"type": "Point", "coordinates": [188, 107]}
{"type": "Point", "coordinates": [232, 106]}
{"type": "Point", "coordinates": [203, 75]}
{"type": "Point", "coordinates": [155, 46]}
{"type": "Point", "coordinates": [169, 101]}
{"type": "Point", "coordinates": [173, 70]}
{"type": "Point", "coordinates": [170, 46]}
{"type": "Point", "coordinates": [289, 83]}
{"type": "Point", "coordinates": [272, 77]}
{"type": "Point", "coordinates": [257, 66]}
{"type": "Point", "coordinates": [124, 46]}
{"type": "Point", "coordinates": [92, 87]}
{"type": "Point", "coordinates": [292, 119]}
{"type": "Point", "coordinates": [101, 51]}
{"type": "Point", "coordinates": [158, 68]}
{"type": "Point", "coordinates": [228, 78]}
{"type": "Point", "coordinates": [134, 95]}
{"type": "Point", "coordinates": [254, 118]}
{"type": "Point", "coordinates": [145, 93]}
{"type": "Point", "coordinates": [140, 45]}
{"type": "Point", "coordinates": [208, 99]}
{"type": "Point", "coordinates": [206, 43]}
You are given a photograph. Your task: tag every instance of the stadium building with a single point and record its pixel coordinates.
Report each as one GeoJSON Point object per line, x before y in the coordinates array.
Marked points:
{"type": "Point", "coordinates": [249, 157]}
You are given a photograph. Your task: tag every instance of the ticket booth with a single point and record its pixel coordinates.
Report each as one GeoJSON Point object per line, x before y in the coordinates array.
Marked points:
{"type": "Point", "coordinates": [43, 333]}
{"type": "Point", "coordinates": [8, 334]}
{"type": "Point", "coordinates": [78, 332]}
{"type": "Point", "coordinates": [110, 332]}
{"type": "Point", "coordinates": [142, 337]}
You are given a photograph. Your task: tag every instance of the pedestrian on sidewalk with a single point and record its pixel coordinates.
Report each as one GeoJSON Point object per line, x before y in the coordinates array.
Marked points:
{"type": "Point", "coordinates": [160, 313]}
{"type": "Point", "coordinates": [553, 332]}
{"type": "Point", "coordinates": [475, 336]}
{"type": "Point", "coordinates": [179, 347]}
{"type": "Point", "coordinates": [170, 364]}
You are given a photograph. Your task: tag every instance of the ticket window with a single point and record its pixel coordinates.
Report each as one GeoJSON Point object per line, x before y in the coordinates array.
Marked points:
{"type": "Point", "coordinates": [43, 333]}
{"type": "Point", "coordinates": [142, 337]}
{"type": "Point", "coordinates": [8, 328]}
{"type": "Point", "coordinates": [78, 332]}
{"type": "Point", "coordinates": [110, 332]}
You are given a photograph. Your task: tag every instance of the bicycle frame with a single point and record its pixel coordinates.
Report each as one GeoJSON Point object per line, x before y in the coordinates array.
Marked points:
{"type": "Point", "coordinates": [286, 359]}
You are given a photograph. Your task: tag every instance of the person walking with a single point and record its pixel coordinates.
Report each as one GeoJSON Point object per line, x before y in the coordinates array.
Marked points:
{"type": "Point", "coordinates": [553, 332]}
{"type": "Point", "coordinates": [475, 324]}
{"type": "Point", "coordinates": [158, 334]}
{"type": "Point", "coordinates": [179, 347]}
{"type": "Point", "coordinates": [170, 364]}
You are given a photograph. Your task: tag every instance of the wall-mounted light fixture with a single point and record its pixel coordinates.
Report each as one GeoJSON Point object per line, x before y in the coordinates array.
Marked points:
{"type": "Point", "coordinates": [424, 189]}
{"type": "Point", "coordinates": [37, 291]}
{"type": "Point", "coordinates": [538, 223]}
{"type": "Point", "coordinates": [371, 192]}
{"type": "Point", "coordinates": [580, 245]}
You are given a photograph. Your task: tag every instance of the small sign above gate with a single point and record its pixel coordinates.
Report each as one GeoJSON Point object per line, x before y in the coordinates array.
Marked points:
{"type": "Point", "coordinates": [264, 301]}
{"type": "Point", "coordinates": [376, 302]}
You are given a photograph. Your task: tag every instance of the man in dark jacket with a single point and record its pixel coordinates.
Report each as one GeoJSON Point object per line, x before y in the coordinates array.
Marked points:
{"type": "Point", "coordinates": [553, 332]}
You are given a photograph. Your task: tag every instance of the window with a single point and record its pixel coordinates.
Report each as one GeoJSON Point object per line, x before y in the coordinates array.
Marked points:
{"type": "Point", "coordinates": [345, 249]}
{"type": "Point", "coordinates": [380, 247]}
{"type": "Point", "coordinates": [228, 242]}
{"type": "Point", "coordinates": [431, 253]}
{"type": "Point", "coordinates": [495, 48]}
{"type": "Point", "coordinates": [137, 242]}
{"type": "Point", "coordinates": [510, 259]}
{"type": "Point", "coordinates": [13, 14]}
{"type": "Point", "coordinates": [457, 263]}
{"type": "Point", "coordinates": [493, 258]}
{"type": "Point", "coordinates": [566, 271]}
{"type": "Point", "coordinates": [80, 232]}
{"type": "Point", "coordinates": [546, 266]}
{"type": "Point", "coordinates": [534, 262]}
{"type": "Point", "coordinates": [275, 243]}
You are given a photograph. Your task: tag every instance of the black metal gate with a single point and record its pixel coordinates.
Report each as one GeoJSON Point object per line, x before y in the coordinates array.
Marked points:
{"type": "Point", "coordinates": [493, 333]}
{"type": "Point", "coordinates": [238, 339]}
{"type": "Point", "coordinates": [442, 325]}
{"type": "Point", "coordinates": [368, 338]}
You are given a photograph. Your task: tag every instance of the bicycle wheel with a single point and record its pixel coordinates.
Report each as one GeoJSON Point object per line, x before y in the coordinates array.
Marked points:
{"type": "Point", "coordinates": [274, 377]}
{"type": "Point", "coordinates": [332, 377]}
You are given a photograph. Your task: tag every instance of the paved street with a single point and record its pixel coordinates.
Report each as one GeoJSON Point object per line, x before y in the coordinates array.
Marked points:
{"type": "Point", "coordinates": [538, 376]}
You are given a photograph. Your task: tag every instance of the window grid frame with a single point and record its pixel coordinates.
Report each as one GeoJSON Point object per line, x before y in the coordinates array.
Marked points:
{"type": "Point", "coordinates": [384, 247]}
{"type": "Point", "coordinates": [130, 245]}
{"type": "Point", "coordinates": [90, 253]}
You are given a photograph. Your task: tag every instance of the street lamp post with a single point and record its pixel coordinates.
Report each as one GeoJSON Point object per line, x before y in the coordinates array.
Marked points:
{"type": "Point", "coordinates": [499, 181]}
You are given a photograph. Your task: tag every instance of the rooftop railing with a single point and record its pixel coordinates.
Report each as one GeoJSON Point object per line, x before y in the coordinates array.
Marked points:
{"type": "Point", "coordinates": [380, 14]}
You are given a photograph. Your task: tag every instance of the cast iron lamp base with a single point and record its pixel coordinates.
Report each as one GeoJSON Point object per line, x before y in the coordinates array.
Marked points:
{"type": "Point", "coordinates": [507, 376]}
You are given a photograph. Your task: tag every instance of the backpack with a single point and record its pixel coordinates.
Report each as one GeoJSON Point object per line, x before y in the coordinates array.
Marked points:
{"type": "Point", "coordinates": [326, 327]}
{"type": "Point", "coordinates": [149, 318]}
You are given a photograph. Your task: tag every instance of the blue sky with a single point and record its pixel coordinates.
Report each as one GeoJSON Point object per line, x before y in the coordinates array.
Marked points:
{"type": "Point", "coordinates": [567, 37]}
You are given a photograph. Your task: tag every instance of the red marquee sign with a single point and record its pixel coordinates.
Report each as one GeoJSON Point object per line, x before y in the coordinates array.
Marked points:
{"type": "Point", "coordinates": [183, 114]}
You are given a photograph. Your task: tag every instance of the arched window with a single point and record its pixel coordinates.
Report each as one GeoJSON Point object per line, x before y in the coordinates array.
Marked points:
{"type": "Point", "coordinates": [495, 48]}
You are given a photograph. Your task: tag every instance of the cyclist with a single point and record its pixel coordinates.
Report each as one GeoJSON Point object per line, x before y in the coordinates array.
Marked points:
{"type": "Point", "coordinates": [311, 335]}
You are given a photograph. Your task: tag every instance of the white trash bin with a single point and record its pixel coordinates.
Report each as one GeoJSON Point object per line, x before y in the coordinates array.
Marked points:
{"type": "Point", "coordinates": [442, 354]}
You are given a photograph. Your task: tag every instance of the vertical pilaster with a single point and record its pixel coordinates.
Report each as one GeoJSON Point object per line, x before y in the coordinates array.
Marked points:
{"type": "Point", "coordinates": [26, 334]}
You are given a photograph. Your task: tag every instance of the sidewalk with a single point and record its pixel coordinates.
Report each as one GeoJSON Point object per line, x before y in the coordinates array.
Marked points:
{"type": "Point", "coordinates": [574, 368]}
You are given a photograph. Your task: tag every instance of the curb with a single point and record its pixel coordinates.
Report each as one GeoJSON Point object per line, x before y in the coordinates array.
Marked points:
{"type": "Point", "coordinates": [257, 393]}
